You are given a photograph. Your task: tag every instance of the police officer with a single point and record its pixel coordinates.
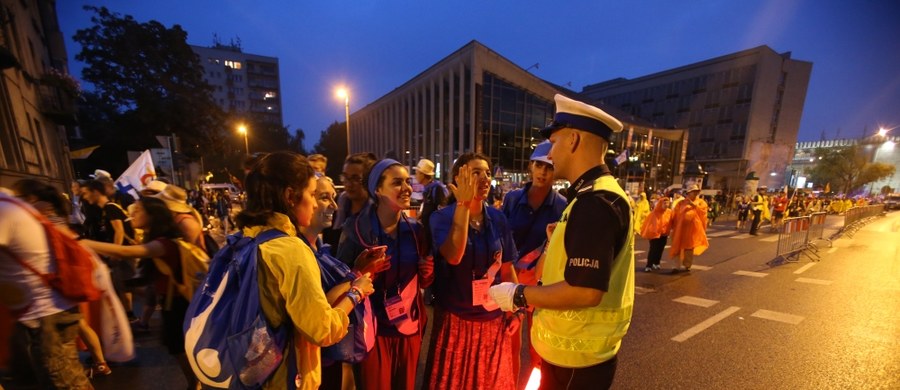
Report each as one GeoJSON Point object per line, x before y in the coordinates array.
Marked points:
{"type": "Point", "coordinates": [584, 303]}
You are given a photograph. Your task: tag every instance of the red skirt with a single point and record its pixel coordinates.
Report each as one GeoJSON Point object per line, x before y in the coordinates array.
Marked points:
{"type": "Point", "coordinates": [469, 354]}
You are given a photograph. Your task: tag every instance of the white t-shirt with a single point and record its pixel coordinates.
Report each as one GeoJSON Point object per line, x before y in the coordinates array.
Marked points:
{"type": "Point", "coordinates": [19, 287]}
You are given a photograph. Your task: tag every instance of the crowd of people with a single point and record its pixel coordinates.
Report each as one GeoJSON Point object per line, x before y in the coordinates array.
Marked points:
{"type": "Point", "coordinates": [351, 273]}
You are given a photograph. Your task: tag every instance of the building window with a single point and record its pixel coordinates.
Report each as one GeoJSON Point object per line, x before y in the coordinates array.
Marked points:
{"type": "Point", "coordinates": [270, 95]}
{"type": "Point", "coordinates": [233, 64]}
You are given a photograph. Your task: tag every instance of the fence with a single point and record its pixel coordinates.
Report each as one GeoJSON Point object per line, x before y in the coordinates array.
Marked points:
{"type": "Point", "coordinates": [857, 217]}
{"type": "Point", "coordinates": [799, 235]}
{"type": "Point", "coordinates": [794, 239]}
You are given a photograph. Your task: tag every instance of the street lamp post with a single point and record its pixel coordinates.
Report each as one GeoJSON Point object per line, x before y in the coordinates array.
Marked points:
{"type": "Point", "coordinates": [342, 93]}
{"type": "Point", "coordinates": [243, 130]}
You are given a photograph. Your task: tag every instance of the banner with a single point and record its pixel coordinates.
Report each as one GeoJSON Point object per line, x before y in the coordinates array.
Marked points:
{"type": "Point", "coordinates": [622, 157]}
{"type": "Point", "coordinates": [136, 177]}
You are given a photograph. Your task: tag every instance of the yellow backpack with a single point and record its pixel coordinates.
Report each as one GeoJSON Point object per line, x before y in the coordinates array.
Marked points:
{"type": "Point", "coordinates": [194, 266]}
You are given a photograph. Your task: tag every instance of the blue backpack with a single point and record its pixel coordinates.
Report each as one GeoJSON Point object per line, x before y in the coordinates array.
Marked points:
{"type": "Point", "coordinates": [228, 342]}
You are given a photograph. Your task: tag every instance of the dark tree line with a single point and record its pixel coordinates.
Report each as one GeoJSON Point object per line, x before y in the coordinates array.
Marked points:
{"type": "Point", "coordinates": [146, 81]}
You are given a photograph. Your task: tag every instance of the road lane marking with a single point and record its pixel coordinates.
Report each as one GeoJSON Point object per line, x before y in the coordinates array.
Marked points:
{"type": "Point", "coordinates": [700, 267]}
{"type": "Point", "coordinates": [750, 273]}
{"type": "Point", "coordinates": [638, 290]}
{"type": "Point", "coordinates": [693, 331]}
{"type": "Point", "coordinates": [770, 239]}
{"type": "Point", "coordinates": [720, 234]}
{"type": "Point", "coordinates": [689, 300]}
{"type": "Point", "coordinates": [776, 316]}
{"type": "Point", "coordinates": [741, 236]}
{"type": "Point", "coordinates": [832, 250]}
{"type": "Point", "coordinates": [804, 268]}
{"type": "Point", "coordinates": [814, 281]}
{"type": "Point", "coordinates": [667, 247]}
{"type": "Point", "coordinates": [638, 252]}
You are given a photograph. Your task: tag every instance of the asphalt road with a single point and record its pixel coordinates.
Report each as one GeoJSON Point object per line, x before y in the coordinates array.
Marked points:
{"type": "Point", "coordinates": [737, 321]}
{"type": "Point", "coordinates": [745, 324]}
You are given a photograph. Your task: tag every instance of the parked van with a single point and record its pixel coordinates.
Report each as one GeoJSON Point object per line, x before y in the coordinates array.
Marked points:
{"type": "Point", "coordinates": [232, 190]}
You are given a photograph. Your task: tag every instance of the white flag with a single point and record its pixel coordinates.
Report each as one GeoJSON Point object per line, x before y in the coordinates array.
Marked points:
{"type": "Point", "coordinates": [136, 177]}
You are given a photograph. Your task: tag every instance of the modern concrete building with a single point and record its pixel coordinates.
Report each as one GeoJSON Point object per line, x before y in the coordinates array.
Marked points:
{"type": "Point", "coordinates": [477, 100]}
{"type": "Point", "coordinates": [243, 83]}
{"type": "Point", "coordinates": [742, 110]}
{"type": "Point", "coordinates": [37, 95]}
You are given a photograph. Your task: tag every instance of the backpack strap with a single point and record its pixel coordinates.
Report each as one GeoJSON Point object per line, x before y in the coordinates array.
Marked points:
{"type": "Point", "coordinates": [45, 223]}
{"type": "Point", "coordinates": [126, 220]}
{"type": "Point", "coordinates": [267, 235]}
{"type": "Point", "coordinates": [181, 216]}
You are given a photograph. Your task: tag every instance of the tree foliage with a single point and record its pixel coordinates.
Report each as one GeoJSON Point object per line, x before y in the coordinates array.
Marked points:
{"type": "Point", "coordinates": [848, 168]}
{"type": "Point", "coordinates": [333, 145]}
{"type": "Point", "coordinates": [151, 76]}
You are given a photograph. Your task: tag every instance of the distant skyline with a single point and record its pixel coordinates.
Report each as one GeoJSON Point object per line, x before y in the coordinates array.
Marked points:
{"type": "Point", "coordinates": [372, 47]}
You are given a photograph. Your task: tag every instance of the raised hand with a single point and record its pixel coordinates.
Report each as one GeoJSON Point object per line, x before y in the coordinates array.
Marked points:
{"type": "Point", "coordinates": [466, 185]}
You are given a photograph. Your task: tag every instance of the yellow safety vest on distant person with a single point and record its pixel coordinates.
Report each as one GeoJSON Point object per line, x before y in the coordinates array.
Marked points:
{"type": "Point", "coordinates": [589, 336]}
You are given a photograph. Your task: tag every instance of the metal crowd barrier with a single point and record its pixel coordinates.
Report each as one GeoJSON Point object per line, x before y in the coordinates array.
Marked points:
{"type": "Point", "coordinates": [857, 217]}
{"type": "Point", "coordinates": [798, 235]}
{"type": "Point", "coordinates": [793, 240]}
{"type": "Point", "coordinates": [817, 228]}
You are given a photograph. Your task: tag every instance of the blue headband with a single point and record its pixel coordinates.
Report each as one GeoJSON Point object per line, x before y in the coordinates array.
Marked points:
{"type": "Point", "coordinates": [376, 172]}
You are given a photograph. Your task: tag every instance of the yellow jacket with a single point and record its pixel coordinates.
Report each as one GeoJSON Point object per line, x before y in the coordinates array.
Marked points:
{"type": "Point", "coordinates": [290, 289]}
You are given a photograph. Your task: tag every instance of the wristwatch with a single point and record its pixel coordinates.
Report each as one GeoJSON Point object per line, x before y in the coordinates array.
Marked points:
{"type": "Point", "coordinates": [519, 297]}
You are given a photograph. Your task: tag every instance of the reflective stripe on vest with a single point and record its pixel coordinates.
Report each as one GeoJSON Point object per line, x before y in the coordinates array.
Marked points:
{"type": "Point", "coordinates": [589, 336]}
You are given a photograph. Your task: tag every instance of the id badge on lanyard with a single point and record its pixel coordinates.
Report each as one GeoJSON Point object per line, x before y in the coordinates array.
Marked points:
{"type": "Point", "coordinates": [480, 287]}
{"type": "Point", "coordinates": [396, 310]}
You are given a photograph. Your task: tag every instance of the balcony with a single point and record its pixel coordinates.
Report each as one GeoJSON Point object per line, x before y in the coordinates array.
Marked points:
{"type": "Point", "coordinates": [57, 104]}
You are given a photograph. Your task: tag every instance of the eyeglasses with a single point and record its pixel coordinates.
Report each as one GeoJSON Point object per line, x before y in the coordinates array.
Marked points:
{"type": "Point", "coordinates": [351, 179]}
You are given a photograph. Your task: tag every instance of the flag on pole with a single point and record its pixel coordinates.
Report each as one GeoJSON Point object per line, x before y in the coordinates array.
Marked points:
{"type": "Point", "coordinates": [622, 157]}
{"type": "Point", "coordinates": [82, 154]}
{"type": "Point", "coordinates": [137, 176]}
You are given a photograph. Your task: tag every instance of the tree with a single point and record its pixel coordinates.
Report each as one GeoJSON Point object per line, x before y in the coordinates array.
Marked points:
{"type": "Point", "coordinates": [847, 168]}
{"type": "Point", "coordinates": [333, 145]}
{"type": "Point", "coordinates": [151, 76]}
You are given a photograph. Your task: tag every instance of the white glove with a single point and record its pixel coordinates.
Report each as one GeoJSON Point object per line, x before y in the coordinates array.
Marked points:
{"type": "Point", "coordinates": [503, 295]}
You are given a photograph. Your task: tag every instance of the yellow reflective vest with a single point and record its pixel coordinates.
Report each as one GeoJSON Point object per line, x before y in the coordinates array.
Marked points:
{"type": "Point", "coordinates": [588, 336]}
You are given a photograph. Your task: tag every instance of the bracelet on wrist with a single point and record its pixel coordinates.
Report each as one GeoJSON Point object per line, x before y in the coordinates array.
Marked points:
{"type": "Point", "coordinates": [354, 295]}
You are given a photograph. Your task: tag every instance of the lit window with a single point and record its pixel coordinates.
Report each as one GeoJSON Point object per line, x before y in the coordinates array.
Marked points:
{"type": "Point", "coordinates": [233, 64]}
{"type": "Point", "coordinates": [270, 95]}
{"type": "Point", "coordinates": [269, 108]}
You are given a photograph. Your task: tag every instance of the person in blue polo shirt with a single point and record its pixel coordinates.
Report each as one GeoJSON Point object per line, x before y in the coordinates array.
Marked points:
{"type": "Point", "coordinates": [529, 210]}
{"type": "Point", "coordinates": [397, 301]}
{"type": "Point", "coordinates": [474, 249]}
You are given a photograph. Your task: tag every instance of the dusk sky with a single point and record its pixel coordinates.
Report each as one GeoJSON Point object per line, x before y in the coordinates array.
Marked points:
{"type": "Point", "coordinates": [373, 47]}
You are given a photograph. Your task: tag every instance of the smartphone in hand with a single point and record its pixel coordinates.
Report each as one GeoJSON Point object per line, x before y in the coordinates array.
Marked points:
{"type": "Point", "coordinates": [377, 251]}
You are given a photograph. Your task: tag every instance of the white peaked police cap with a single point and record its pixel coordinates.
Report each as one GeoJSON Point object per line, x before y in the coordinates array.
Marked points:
{"type": "Point", "coordinates": [582, 116]}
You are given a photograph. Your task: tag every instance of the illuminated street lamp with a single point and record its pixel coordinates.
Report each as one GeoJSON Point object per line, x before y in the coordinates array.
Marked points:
{"type": "Point", "coordinates": [343, 94]}
{"type": "Point", "coordinates": [242, 128]}
{"type": "Point", "coordinates": [882, 132]}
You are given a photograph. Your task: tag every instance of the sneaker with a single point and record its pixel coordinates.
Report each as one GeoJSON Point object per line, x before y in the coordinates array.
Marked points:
{"type": "Point", "coordinates": [97, 369]}
{"type": "Point", "coordinates": [647, 269]}
{"type": "Point", "coordinates": [655, 266]}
